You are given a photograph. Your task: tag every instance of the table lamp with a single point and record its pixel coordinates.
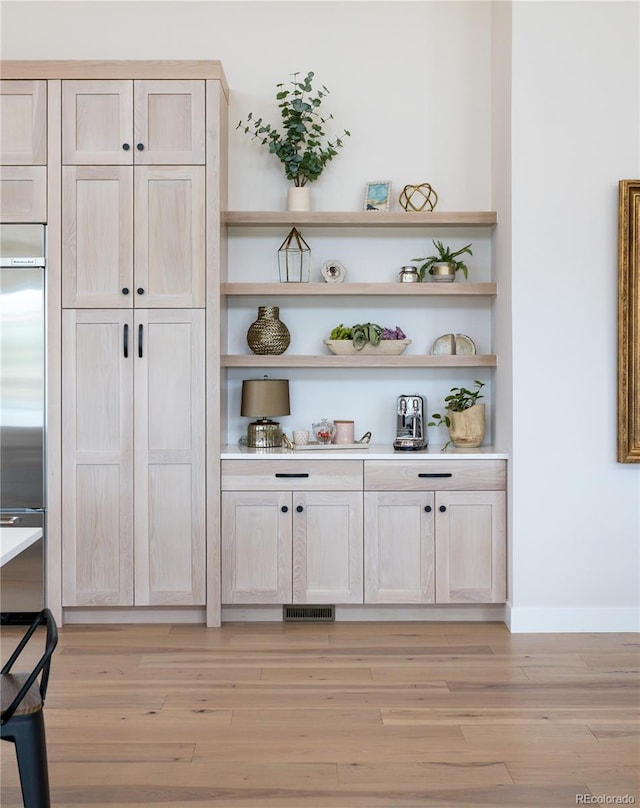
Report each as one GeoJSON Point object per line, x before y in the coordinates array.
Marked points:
{"type": "Point", "coordinates": [263, 399]}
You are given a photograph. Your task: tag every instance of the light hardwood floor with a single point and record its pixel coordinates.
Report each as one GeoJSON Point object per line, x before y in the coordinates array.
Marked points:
{"type": "Point", "coordinates": [343, 715]}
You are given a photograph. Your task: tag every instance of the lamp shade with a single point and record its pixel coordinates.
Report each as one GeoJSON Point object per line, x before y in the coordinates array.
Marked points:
{"type": "Point", "coordinates": [265, 398]}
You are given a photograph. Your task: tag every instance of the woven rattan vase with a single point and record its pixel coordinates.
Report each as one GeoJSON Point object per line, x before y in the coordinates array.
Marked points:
{"type": "Point", "coordinates": [268, 335]}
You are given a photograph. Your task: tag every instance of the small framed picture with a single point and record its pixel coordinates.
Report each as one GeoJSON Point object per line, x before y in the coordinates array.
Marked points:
{"type": "Point", "coordinates": [377, 196]}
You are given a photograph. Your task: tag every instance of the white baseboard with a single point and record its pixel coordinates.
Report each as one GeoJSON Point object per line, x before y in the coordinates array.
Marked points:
{"type": "Point", "coordinates": [576, 620]}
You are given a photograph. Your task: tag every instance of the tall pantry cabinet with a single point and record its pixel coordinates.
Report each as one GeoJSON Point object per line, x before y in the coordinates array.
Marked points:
{"type": "Point", "coordinates": [141, 178]}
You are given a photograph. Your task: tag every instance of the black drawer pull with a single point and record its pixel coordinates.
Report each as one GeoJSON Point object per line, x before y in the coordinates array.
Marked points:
{"type": "Point", "coordinates": [293, 474]}
{"type": "Point", "coordinates": [284, 509]}
{"type": "Point", "coordinates": [442, 508]}
{"type": "Point", "coordinates": [437, 474]}
{"type": "Point", "coordinates": [427, 508]}
{"type": "Point", "coordinates": [299, 508]}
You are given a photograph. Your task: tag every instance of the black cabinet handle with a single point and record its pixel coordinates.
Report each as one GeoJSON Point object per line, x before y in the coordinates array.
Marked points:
{"type": "Point", "coordinates": [287, 476]}
{"type": "Point", "coordinates": [442, 508]}
{"type": "Point", "coordinates": [140, 147]}
{"type": "Point", "coordinates": [140, 290]}
{"type": "Point", "coordinates": [436, 474]}
{"type": "Point", "coordinates": [125, 290]}
{"type": "Point", "coordinates": [125, 341]}
{"type": "Point", "coordinates": [140, 341]}
{"type": "Point", "coordinates": [427, 508]}
{"type": "Point", "coordinates": [126, 146]}
{"type": "Point", "coordinates": [284, 509]}
{"type": "Point", "coordinates": [299, 508]}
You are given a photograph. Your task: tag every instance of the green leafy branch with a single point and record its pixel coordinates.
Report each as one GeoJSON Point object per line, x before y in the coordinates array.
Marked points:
{"type": "Point", "coordinates": [303, 146]}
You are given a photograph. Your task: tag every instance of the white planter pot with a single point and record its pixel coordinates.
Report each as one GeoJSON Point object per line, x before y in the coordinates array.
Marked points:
{"type": "Point", "coordinates": [299, 198]}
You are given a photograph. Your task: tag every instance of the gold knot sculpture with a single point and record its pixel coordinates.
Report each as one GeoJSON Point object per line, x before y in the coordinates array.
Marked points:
{"type": "Point", "coordinates": [412, 194]}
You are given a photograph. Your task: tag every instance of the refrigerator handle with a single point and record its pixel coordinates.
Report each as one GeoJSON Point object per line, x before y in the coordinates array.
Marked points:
{"type": "Point", "coordinates": [10, 521]}
{"type": "Point", "coordinates": [125, 338]}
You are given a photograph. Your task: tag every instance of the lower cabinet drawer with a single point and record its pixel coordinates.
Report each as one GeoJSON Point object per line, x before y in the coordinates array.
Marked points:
{"type": "Point", "coordinates": [435, 475]}
{"type": "Point", "coordinates": [288, 475]}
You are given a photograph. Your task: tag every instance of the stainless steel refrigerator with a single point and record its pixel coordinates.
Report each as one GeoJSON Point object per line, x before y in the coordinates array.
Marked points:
{"type": "Point", "coordinates": [22, 413]}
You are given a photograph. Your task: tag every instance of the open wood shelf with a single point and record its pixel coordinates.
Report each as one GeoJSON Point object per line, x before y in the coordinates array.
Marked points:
{"type": "Point", "coordinates": [359, 361]}
{"type": "Point", "coordinates": [252, 218]}
{"type": "Point", "coordinates": [359, 289]}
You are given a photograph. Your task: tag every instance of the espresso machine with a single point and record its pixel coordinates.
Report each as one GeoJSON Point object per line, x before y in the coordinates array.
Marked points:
{"type": "Point", "coordinates": [411, 434]}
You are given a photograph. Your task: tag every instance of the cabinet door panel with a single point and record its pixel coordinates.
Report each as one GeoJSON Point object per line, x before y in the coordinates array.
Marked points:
{"type": "Point", "coordinates": [327, 547]}
{"type": "Point", "coordinates": [97, 243]}
{"type": "Point", "coordinates": [170, 236]}
{"type": "Point", "coordinates": [170, 447]}
{"type": "Point", "coordinates": [170, 122]}
{"type": "Point", "coordinates": [23, 194]}
{"type": "Point", "coordinates": [470, 547]}
{"type": "Point", "coordinates": [256, 547]}
{"type": "Point", "coordinates": [97, 462]}
{"type": "Point", "coordinates": [23, 123]}
{"type": "Point", "coordinates": [399, 547]}
{"type": "Point", "coordinates": [97, 122]}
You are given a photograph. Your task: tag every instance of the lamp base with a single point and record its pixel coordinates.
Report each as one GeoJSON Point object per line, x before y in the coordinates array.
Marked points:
{"type": "Point", "coordinates": [264, 434]}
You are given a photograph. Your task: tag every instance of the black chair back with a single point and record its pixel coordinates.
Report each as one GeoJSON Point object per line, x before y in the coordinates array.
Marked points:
{"type": "Point", "coordinates": [42, 668]}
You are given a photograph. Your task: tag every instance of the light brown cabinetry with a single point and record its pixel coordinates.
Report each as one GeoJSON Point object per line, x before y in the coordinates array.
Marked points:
{"type": "Point", "coordinates": [133, 239]}
{"type": "Point", "coordinates": [142, 122]}
{"type": "Point", "coordinates": [23, 123]}
{"type": "Point", "coordinates": [435, 532]}
{"type": "Point", "coordinates": [291, 532]}
{"type": "Point", "coordinates": [132, 155]}
{"type": "Point", "coordinates": [23, 151]}
{"type": "Point", "coordinates": [133, 457]}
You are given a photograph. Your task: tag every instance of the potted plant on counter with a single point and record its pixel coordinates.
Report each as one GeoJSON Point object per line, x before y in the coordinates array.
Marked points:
{"type": "Point", "coordinates": [302, 146]}
{"type": "Point", "coordinates": [464, 417]}
{"type": "Point", "coordinates": [444, 265]}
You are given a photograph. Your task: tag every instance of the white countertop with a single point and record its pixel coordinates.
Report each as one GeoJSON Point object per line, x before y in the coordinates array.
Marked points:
{"type": "Point", "coordinates": [13, 540]}
{"type": "Point", "coordinates": [373, 452]}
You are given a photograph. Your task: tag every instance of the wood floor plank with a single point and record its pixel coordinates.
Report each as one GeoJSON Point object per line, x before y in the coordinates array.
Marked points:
{"type": "Point", "coordinates": [337, 715]}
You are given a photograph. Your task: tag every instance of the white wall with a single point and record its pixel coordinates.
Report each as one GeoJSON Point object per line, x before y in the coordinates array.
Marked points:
{"type": "Point", "coordinates": [575, 133]}
{"type": "Point", "coordinates": [569, 116]}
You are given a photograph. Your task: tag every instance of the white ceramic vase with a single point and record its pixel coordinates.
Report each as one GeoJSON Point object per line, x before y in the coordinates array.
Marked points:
{"type": "Point", "coordinates": [299, 198]}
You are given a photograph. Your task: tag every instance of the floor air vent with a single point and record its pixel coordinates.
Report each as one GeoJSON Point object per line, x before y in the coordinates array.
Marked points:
{"type": "Point", "coordinates": [309, 614]}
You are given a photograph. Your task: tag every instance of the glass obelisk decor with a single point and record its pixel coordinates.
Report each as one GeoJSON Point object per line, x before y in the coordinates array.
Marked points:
{"type": "Point", "coordinates": [294, 259]}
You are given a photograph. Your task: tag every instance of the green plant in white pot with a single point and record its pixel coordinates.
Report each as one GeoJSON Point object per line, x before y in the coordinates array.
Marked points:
{"type": "Point", "coordinates": [444, 264]}
{"type": "Point", "coordinates": [464, 417]}
{"type": "Point", "coordinates": [301, 145]}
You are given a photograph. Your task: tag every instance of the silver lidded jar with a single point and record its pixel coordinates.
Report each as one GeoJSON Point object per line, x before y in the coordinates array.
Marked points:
{"type": "Point", "coordinates": [408, 274]}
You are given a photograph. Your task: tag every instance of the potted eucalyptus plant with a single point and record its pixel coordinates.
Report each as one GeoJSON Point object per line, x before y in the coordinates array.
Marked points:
{"type": "Point", "coordinates": [301, 145]}
{"type": "Point", "coordinates": [444, 265]}
{"type": "Point", "coordinates": [464, 417]}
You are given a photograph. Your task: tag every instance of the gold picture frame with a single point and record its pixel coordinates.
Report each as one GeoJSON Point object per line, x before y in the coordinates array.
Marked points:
{"type": "Point", "coordinates": [629, 321]}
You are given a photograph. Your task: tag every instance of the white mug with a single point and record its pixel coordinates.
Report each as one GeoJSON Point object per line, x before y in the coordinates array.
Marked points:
{"type": "Point", "coordinates": [300, 437]}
